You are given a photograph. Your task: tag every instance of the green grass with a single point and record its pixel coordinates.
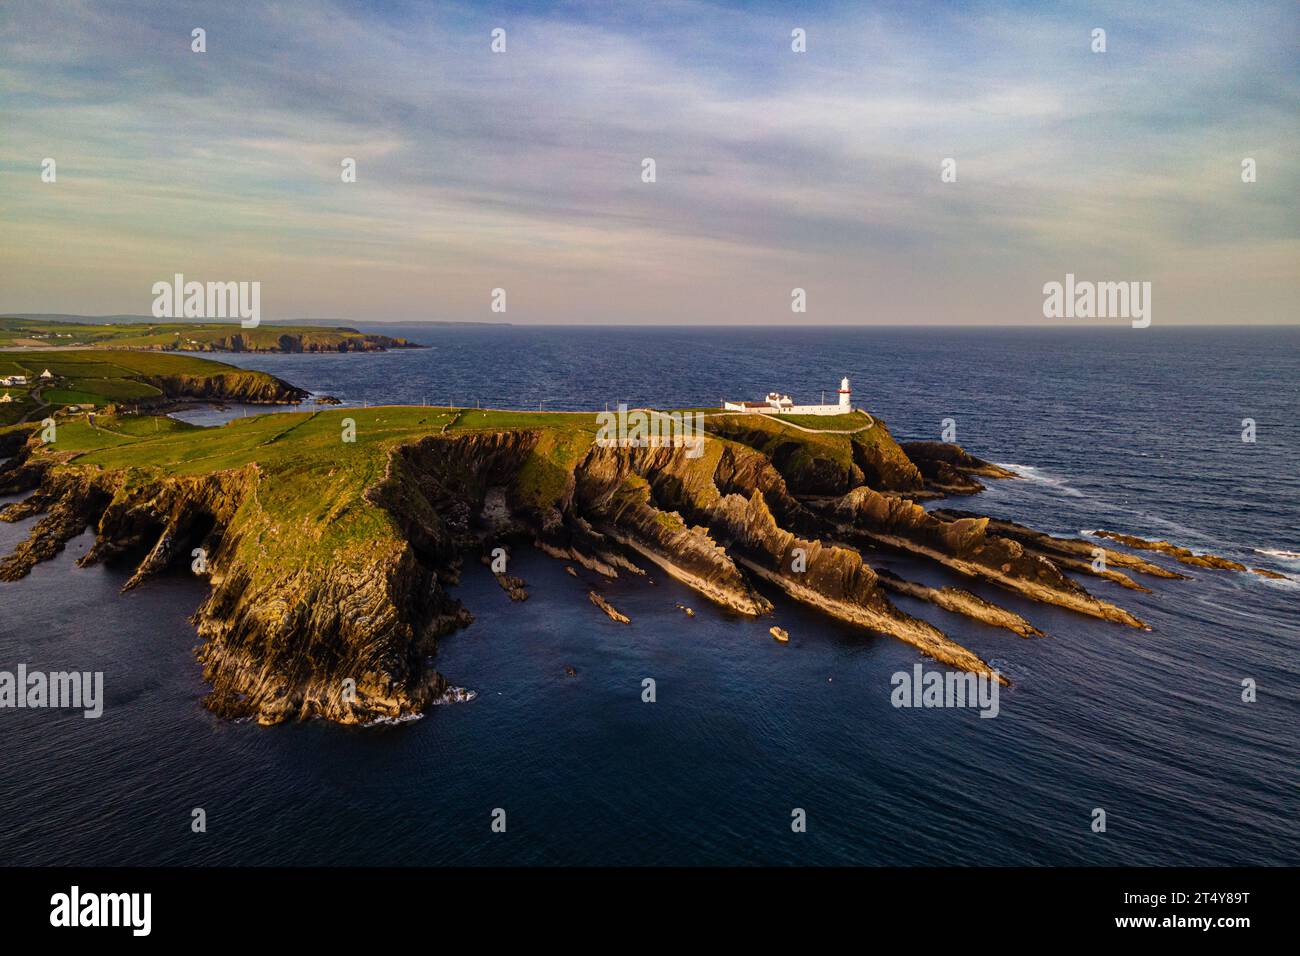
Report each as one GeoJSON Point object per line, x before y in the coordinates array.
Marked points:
{"type": "Point", "coordinates": [305, 503]}
{"type": "Point", "coordinates": [71, 396]}
{"type": "Point", "coordinates": [830, 423]}
{"type": "Point", "coordinates": [86, 377]}
{"type": "Point", "coordinates": [89, 363]}
{"type": "Point", "coordinates": [793, 449]}
{"type": "Point", "coordinates": [70, 366]}
{"type": "Point", "coordinates": [116, 389]}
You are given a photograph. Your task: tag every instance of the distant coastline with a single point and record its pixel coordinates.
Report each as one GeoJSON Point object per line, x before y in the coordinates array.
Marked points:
{"type": "Point", "coordinates": [130, 319]}
{"type": "Point", "coordinates": [133, 333]}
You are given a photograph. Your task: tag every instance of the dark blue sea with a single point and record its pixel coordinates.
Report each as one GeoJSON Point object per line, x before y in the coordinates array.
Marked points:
{"type": "Point", "coordinates": [1133, 430]}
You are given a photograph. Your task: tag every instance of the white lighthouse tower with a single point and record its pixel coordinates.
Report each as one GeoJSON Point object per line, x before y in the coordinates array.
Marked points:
{"type": "Point", "coordinates": [778, 403]}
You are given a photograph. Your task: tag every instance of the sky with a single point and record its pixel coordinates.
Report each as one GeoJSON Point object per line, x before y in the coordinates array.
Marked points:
{"type": "Point", "coordinates": [774, 170]}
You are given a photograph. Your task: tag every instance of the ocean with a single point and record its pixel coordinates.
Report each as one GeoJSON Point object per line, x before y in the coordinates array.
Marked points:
{"type": "Point", "coordinates": [1137, 431]}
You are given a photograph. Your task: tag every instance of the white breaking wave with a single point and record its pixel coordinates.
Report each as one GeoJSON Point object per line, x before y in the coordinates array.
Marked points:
{"type": "Point", "coordinates": [1037, 474]}
{"type": "Point", "coordinates": [384, 721]}
{"type": "Point", "coordinates": [1279, 553]}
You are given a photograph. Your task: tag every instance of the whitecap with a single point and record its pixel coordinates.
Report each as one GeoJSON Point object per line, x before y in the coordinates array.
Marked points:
{"type": "Point", "coordinates": [383, 721]}
{"type": "Point", "coordinates": [455, 695]}
{"type": "Point", "coordinates": [1037, 474]}
{"type": "Point", "coordinates": [1279, 553]}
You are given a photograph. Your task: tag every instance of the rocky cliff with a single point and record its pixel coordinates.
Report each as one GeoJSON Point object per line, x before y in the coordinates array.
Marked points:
{"type": "Point", "coordinates": [330, 564]}
{"type": "Point", "coordinates": [267, 340]}
{"type": "Point", "coordinates": [256, 388]}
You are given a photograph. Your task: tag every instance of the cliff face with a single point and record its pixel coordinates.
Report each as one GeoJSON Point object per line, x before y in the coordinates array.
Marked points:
{"type": "Point", "coordinates": [333, 340]}
{"type": "Point", "coordinates": [825, 463]}
{"type": "Point", "coordinates": [241, 386]}
{"type": "Point", "coordinates": [329, 563]}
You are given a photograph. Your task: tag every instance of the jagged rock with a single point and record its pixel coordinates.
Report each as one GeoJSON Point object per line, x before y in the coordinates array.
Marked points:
{"type": "Point", "coordinates": [236, 385]}
{"type": "Point", "coordinates": [609, 609]}
{"type": "Point", "coordinates": [929, 456]}
{"type": "Point", "coordinates": [328, 582]}
{"type": "Point", "coordinates": [779, 633]}
{"type": "Point", "coordinates": [1185, 555]}
{"type": "Point", "coordinates": [513, 586]}
{"type": "Point", "coordinates": [1074, 553]}
{"type": "Point", "coordinates": [965, 545]}
{"type": "Point", "coordinates": [960, 601]}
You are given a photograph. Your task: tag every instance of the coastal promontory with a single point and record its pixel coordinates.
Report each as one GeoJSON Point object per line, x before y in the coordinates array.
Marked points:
{"type": "Point", "coordinates": [333, 539]}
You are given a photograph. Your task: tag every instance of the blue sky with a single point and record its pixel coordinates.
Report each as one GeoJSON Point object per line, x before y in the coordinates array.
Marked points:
{"type": "Point", "coordinates": [775, 170]}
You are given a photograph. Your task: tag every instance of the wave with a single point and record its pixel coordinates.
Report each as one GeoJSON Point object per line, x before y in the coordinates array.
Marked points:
{"type": "Point", "coordinates": [1037, 474]}
{"type": "Point", "coordinates": [389, 721]}
{"type": "Point", "coordinates": [1279, 553]}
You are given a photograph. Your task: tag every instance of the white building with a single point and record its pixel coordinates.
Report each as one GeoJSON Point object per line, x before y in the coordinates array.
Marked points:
{"type": "Point", "coordinates": [779, 404]}
{"type": "Point", "coordinates": [47, 374]}
{"type": "Point", "coordinates": [14, 380]}
{"type": "Point", "coordinates": [6, 397]}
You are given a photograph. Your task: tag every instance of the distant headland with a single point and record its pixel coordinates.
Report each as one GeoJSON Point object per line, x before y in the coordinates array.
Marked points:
{"type": "Point", "coordinates": [67, 332]}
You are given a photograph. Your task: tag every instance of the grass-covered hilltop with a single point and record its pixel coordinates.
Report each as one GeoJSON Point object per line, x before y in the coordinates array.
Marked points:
{"type": "Point", "coordinates": [227, 336]}
{"type": "Point", "coordinates": [330, 538]}
{"type": "Point", "coordinates": [39, 383]}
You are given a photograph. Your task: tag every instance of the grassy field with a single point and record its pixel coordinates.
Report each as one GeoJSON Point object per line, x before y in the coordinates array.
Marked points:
{"type": "Point", "coordinates": [308, 504]}
{"type": "Point", "coordinates": [850, 422]}
{"type": "Point", "coordinates": [310, 498]}
{"type": "Point", "coordinates": [98, 378]}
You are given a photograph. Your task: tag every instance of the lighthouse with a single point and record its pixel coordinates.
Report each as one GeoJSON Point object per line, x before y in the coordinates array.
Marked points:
{"type": "Point", "coordinates": [778, 403]}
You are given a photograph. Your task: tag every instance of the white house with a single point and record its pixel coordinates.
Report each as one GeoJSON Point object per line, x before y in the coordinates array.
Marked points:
{"type": "Point", "coordinates": [779, 404]}
{"type": "Point", "coordinates": [47, 375]}
{"type": "Point", "coordinates": [14, 380]}
{"type": "Point", "coordinates": [6, 397]}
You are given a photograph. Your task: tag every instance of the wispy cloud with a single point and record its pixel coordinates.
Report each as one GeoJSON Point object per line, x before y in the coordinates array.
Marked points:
{"type": "Point", "coordinates": [775, 169]}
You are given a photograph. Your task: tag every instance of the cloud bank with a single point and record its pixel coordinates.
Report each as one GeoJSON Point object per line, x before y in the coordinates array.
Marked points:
{"type": "Point", "coordinates": [774, 169]}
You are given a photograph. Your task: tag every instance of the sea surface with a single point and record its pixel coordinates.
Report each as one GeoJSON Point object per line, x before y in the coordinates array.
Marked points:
{"type": "Point", "coordinates": [1133, 430]}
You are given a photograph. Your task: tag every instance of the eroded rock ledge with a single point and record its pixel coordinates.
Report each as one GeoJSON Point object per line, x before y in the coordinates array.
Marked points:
{"type": "Point", "coordinates": [335, 611]}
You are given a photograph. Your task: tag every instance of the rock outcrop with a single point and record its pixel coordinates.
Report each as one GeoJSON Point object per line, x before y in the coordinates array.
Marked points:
{"type": "Point", "coordinates": [329, 570]}
{"type": "Point", "coordinates": [950, 469]}
{"type": "Point", "coordinates": [960, 601]}
{"type": "Point", "coordinates": [240, 386]}
{"type": "Point", "coordinates": [1186, 555]}
{"type": "Point", "coordinates": [965, 545]}
{"type": "Point", "coordinates": [611, 612]}
{"type": "Point", "coordinates": [1074, 554]}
